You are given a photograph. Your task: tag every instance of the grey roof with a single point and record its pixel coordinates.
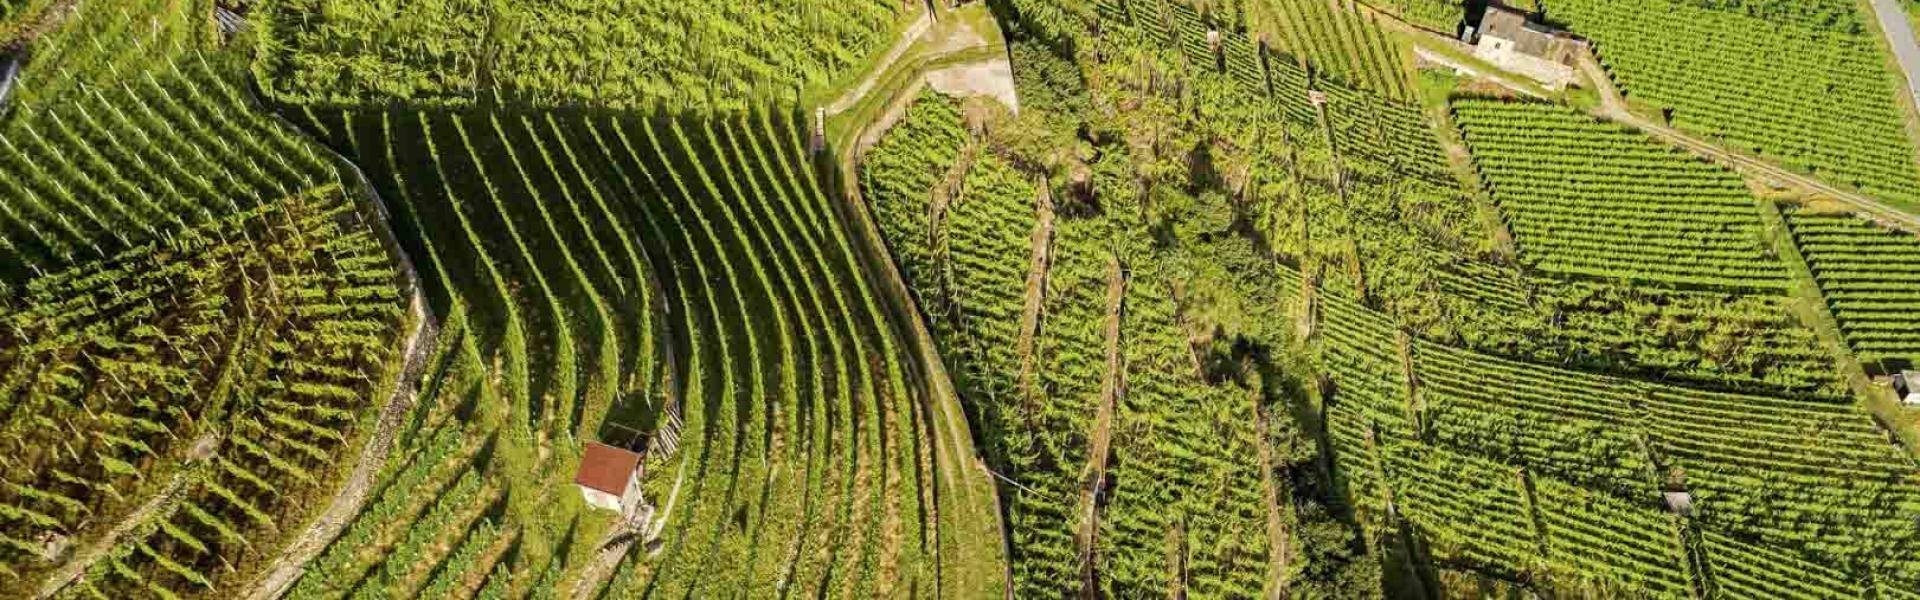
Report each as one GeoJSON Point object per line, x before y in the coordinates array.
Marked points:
{"type": "Point", "coordinates": [230, 22]}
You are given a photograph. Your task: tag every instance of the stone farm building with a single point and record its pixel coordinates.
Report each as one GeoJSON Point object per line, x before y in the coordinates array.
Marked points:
{"type": "Point", "coordinates": [1512, 41]}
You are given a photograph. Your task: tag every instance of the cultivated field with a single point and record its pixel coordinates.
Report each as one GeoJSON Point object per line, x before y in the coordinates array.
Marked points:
{"type": "Point", "coordinates": [330, 299]}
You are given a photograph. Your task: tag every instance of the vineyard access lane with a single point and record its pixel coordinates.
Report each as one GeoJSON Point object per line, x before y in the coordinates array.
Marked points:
{"type": "Point", "coordinates": [1899, 30]}
{"type": "Point", "coordinates": [1101, 438]}
{"type": "Point", "coordinates": [1613, 107]}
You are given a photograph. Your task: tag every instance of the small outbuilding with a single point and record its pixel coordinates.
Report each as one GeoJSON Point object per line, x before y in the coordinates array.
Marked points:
{"type": "Point", "coordinates": [1906, 385]}
{"type": "Point", "coordinates": [1680, 503]}
{"type": "Point", "coordinates": [1513, 40]}
{"type": "Point", "coordinates": [609, 477]}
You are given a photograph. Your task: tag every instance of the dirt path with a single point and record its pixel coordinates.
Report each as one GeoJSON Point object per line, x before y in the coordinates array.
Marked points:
{"type": "Point", "coordinates": [635, 527]}
{"type": "Point", "coordinates": [160, 503]}
{"type": "Point", "coordinates": [292, 559]}
{"type": "Point", "coordinates": [970, 487]}
{"type": "Point", "coordinates": [1906, 50]}
{"type": "Point", "coordinates": [992, 78]}
{"type": "Point", "coordinates": [945, 40]}
{"type": "Point", "coordinates": [952, 36]}
{"type": "Point", "coordinates": [1102, 436]}
{"type": "Point", "coordinates": [1279, 539]}
{"type": "Point", "coordinates": [1038, 263]}
{"type": "Point", "coordinates": [908, 38]}
{"type": "Point", "coordinates": [1611, 101]}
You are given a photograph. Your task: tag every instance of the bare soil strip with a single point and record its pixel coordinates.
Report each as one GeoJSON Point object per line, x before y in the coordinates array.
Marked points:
{"type": "Point", "coordinates": [1111, 387]}
{"type": "Point", "coordinates": [1039, 263]}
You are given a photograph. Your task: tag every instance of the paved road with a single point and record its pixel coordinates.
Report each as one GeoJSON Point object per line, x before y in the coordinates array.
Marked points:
{"type": "Point", "coordinates": [9, 66]}
{"type": "Point", "coordinates": [1893, 20]}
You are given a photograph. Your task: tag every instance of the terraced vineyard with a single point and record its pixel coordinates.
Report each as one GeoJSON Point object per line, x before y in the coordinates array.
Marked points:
{"type": "Point", "coordinates": [539, 224]}
{"type": "Point", "coordinates": [1445, 16]}
{"type": "Point", "coordinates": [1341, 42]}
{"type": "Point", "coordinates": [1586, 198]}
{"type": "Point", "coordinates": [102, 167]}
{"type": "Point", "coordinates": [1860, 267]}
{"type": "Point", "coordinates": [286, 375]}
{"type": "Point", "coordinates": [1831, 106]}
{"type": "Point", "coordinates": [341, 300]}
{"type": "Point", "coordinates": [1501, 462]}
{"type": "Point", "coordinates": [659, 55]}
{"type": "Point", "coordinates": [1115, 476]}
{"type": "Point", "coordinates": [202, 314]}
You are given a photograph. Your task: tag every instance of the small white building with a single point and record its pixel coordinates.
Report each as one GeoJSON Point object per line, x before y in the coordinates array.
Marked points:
{"type": "Point", "coordinates": [1906, 385]}
{"type": "Point", "coordinates": [609, 477]}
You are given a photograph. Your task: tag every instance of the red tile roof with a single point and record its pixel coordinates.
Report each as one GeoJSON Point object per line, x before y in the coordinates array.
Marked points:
{"type": "Point", "coordinates": [606, 468]}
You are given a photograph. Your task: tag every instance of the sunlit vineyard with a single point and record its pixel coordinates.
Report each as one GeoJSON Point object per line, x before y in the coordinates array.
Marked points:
{"type": "Point", "coordinates": [717, 214]}
{"type": "Point", "coordinates": [657, 55]}
{"type": "Point", "coordinates": [15, 15]}
{"type": "Point", "coordinates": [1444, 16]}
{"type": "Point", "coordinates": [1498, 459]}
{"type": "Point", "coordinates": [245, 411]}
{"type": "Point", "coordinates": [1591, 199]}
{"type": "Point", "coordinates": [1339, 42]}
{"type": "Point", "coordinates": [611, 299]}
{"type": "Point", "coordinates": [103, 163]}
{"type": "Point", "coordinates": [1861, 267]}
{"type": "Point", "coordinates": [203, 311]}
{"type": "Point", "coordinates": [1830, 107]}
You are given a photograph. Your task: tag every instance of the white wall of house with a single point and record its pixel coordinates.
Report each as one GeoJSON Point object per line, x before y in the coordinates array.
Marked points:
{"type": "Point", "coordinates": [1500, 52]}
{"type": "Point", "coordinates": [599, 499]}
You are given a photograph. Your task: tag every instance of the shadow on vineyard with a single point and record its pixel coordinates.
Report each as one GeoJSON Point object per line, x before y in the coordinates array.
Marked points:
{"type": "Point", "coordinates": [625, 272]}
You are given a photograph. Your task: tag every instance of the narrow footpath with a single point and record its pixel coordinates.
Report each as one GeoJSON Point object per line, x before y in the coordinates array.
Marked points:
{"type": "Point", "coordinates": [1039, 264]}
{"type": "Point", "coordinates": [160, 504]}
{"type": "Point", "coordinates": [1101, 438]}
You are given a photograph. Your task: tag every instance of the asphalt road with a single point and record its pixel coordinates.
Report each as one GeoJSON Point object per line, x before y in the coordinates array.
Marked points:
{"type": "Point", "coordinates": [9, 66]}
{"type": "Point", "coordinates": [1893, 20]}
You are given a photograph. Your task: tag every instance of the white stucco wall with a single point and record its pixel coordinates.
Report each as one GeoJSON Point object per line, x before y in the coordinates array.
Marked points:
{"type": "Point", "coordinates": [1500, 52]}
{"type": "Point", "coordinates": [599, 499]}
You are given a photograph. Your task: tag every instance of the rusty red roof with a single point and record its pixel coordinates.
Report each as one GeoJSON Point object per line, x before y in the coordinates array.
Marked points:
{"type": "Point", "coordinates": [606, 468]}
